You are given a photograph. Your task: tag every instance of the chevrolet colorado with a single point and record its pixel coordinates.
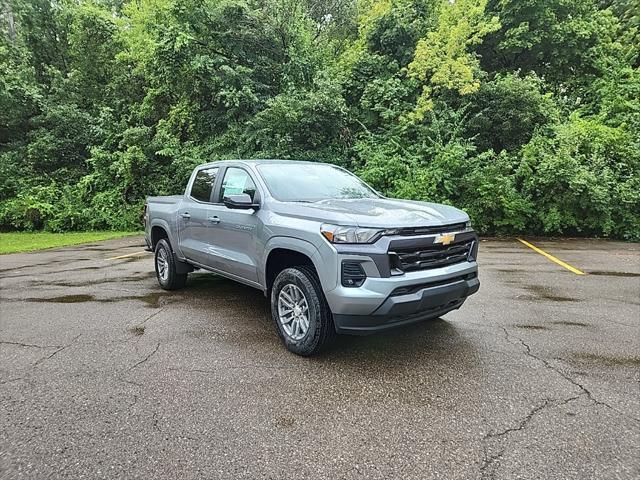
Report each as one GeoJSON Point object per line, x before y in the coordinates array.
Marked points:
{"type": "Point", "coordinates": [331, 254]}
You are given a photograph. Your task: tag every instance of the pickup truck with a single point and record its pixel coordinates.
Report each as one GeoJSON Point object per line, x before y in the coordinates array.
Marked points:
{"type": "Point", "coordinates": [331, 254]}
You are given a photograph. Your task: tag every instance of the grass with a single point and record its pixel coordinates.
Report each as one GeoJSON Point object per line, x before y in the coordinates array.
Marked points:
{"type": "Point", "coordinates": [14, 242]}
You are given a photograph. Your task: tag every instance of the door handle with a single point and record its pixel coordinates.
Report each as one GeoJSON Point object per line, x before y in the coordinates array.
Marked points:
{"type": "Point", "coordinates": [214, 219]}
{"type": "Point", "coordinates": [185, 215]}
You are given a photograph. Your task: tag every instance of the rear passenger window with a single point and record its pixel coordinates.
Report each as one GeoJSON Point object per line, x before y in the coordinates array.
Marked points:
{"type": "Point", "coordinates": [237, 181]}
{"type": "Point", "coordinates": [203, 184]}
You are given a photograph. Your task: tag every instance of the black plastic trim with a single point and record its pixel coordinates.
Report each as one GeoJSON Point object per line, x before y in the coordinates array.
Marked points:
{"type": "Point", "coordinates": [367, 324]}
{"type": "Point", "coordinates": [352, 274]}
{"type": "Point", "coordinates": [430, 302]}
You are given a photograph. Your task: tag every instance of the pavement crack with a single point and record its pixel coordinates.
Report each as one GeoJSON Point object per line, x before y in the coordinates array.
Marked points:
{"type": "Point", "coordinates": [149, 317]}
{"type": "Point", "coordinates": [489, 465]}
{"type": "Point", "coordinates": [155, 350]}
{"type": "Point", "coordinates": [28, 345]}
{"type": "Point", "coordinates": [488, 468]}
{"type": "Point", "coordinates": [58, 350]}
{"type": "Point", "coordinates": [568, 378]}
{"type": "Point", "coordinates": [523, 423]}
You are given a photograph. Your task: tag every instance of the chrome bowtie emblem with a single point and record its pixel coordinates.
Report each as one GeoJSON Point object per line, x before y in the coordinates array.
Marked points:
{"type": "Point", "coordinates": [445, 238]}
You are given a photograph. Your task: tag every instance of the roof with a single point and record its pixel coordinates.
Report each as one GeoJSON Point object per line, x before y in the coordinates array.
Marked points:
{"type": "Point", "coordinates": [261, 161]}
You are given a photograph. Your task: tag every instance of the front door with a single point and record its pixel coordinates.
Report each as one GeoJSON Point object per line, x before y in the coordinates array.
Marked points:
{"type": "Point", "coordinates": [236, 231]}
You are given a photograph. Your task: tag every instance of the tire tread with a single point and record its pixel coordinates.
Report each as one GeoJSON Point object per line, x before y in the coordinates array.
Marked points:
{"type": "Point", "coordinates": [175, 280]}
{"type": "Point", "coordinates": [326, 331]}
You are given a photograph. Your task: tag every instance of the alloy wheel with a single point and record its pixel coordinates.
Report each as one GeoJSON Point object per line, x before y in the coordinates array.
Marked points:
{"type": "Point", "coordinates": [163, 264]}
{"type": "Point", "coordinates": [293, 311]}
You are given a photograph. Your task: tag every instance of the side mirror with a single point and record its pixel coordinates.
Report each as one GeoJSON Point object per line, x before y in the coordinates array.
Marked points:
{"type": "Point", "coordinates": [241, 201]}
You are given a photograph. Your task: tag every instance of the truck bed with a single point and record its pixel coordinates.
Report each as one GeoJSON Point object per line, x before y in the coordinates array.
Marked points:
{"type": "Point", "coordinates": [162, 211]}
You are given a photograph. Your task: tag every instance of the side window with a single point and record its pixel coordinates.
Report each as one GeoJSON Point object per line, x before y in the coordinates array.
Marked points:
{"type": "Point", "coordinates": [203, 184]}
{"type": "Point", "coordinates": [235, 182]}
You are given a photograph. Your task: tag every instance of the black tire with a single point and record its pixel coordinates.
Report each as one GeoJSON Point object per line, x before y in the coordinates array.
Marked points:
{"type": "Point", "coordinates": [321, 330]}
{"type": "Point", "coordinates": [172, 280]}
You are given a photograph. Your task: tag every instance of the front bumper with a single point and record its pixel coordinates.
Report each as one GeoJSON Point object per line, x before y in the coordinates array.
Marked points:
{"type": "Point", "coordinates": [365, 300]}
{"type": "Point", "coordinates": [426, 301]}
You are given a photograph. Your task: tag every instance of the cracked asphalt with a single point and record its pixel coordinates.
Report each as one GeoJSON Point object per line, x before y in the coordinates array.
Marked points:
{"type": "Point", "coordinates": [105, 375]}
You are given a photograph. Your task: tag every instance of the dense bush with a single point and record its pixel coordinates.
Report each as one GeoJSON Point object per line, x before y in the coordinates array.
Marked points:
{"type": "Point", "coordinates": [524, 113]}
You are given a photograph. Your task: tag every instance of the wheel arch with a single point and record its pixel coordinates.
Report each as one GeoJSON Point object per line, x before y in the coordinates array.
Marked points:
{"type": "Point", "coordinates": [159, 230]}
{"type": "Point", "coordinates": [285, 252]}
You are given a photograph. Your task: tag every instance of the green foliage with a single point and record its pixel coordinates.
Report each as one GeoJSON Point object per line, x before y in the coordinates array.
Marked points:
{"type": "Point", "coordinates": [30, 209]}
{"type": "Point", "coordinates": [525, 113]}
{"type": "Point", "coordinates": [301, 124]}
{"type": "Point", "coordinates": [507, 110]}
{"type": "Point", "coordinates": [58, 141]}
{"type": "Point", "coordinates": [568, 42]}
{"type": "Point", "coordinates": [582, 180]}
{"type": "Point", "coordinates": [443, 58]}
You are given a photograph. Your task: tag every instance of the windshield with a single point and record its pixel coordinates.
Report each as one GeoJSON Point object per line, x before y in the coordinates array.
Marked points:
{"type": "Point", "coordinates": [300, 182]}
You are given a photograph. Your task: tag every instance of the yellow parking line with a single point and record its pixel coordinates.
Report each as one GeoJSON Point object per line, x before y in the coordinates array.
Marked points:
{"type": "Point", "coordinates": [552, 258]}
{"type": "Point", "coordinates": [134, 254]}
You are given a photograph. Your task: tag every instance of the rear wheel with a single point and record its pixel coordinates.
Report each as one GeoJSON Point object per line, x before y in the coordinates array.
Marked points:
{"type": "Point", "coordinates": [166, 273]}
{"type": "Point", "coordinates": [300, 312]}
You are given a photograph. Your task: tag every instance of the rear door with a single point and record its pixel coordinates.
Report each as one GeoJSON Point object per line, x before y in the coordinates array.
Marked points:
{"type": "Point", "coordinates": [236, 231]}
{"type": "Point", "coordinates": [194, 216]}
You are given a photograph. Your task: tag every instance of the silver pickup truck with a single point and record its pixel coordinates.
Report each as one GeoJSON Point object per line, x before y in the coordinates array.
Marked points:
{"type": "Point", "coordinates": [331, 254]}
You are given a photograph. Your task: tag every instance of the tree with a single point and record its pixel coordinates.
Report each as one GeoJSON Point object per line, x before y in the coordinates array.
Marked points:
{"type": "Point", "coordinates": [526, 113]}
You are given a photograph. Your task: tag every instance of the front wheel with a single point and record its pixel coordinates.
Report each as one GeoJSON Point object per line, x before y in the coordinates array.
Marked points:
{"type": "Point", "coordinates": [300, 312]}
{"type": "Point", "coordinates": [166, 273]}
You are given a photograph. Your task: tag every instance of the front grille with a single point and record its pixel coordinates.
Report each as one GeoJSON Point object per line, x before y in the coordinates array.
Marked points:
{"type": "Point", "coordinates": [455, 227]}
{"type": "Point", "coordinates": [433, 256]}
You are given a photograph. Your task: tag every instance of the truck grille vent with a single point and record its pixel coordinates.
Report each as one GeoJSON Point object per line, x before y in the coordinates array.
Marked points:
{"type": "Point", "coordinates": [434, 256]}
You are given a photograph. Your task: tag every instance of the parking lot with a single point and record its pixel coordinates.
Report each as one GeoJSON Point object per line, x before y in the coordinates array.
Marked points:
{"type": "Point", "coordinates": [105, 375]}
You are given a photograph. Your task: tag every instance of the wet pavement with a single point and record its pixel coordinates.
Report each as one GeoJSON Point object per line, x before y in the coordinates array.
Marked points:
{"type": "Point", "coordinates": [105, 375]}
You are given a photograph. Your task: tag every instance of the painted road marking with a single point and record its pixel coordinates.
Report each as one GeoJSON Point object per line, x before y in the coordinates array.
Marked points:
{"type": "Point", "coordinates": [552, 258]}
{"type": "Point", "coordinates": [144, 252]}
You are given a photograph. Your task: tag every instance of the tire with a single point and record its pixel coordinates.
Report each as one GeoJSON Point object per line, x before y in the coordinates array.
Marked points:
{"type": "Point", "coordinates": [319, 320]}
{"type": "Point", "coordinates": [167, 276]}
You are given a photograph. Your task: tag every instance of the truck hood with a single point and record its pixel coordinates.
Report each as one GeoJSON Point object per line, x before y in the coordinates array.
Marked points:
{"type": "Point", "coordinates": [374, 212]}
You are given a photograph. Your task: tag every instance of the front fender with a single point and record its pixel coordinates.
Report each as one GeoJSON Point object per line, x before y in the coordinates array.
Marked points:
{"type": "Point", "coordinates": [325, 270]}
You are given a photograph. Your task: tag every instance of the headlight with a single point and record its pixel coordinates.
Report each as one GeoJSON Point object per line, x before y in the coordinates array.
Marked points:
{"type": "Point", "coordinates": [341, 234]}
{"type": "Point", "coordinates": [467, 224]}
